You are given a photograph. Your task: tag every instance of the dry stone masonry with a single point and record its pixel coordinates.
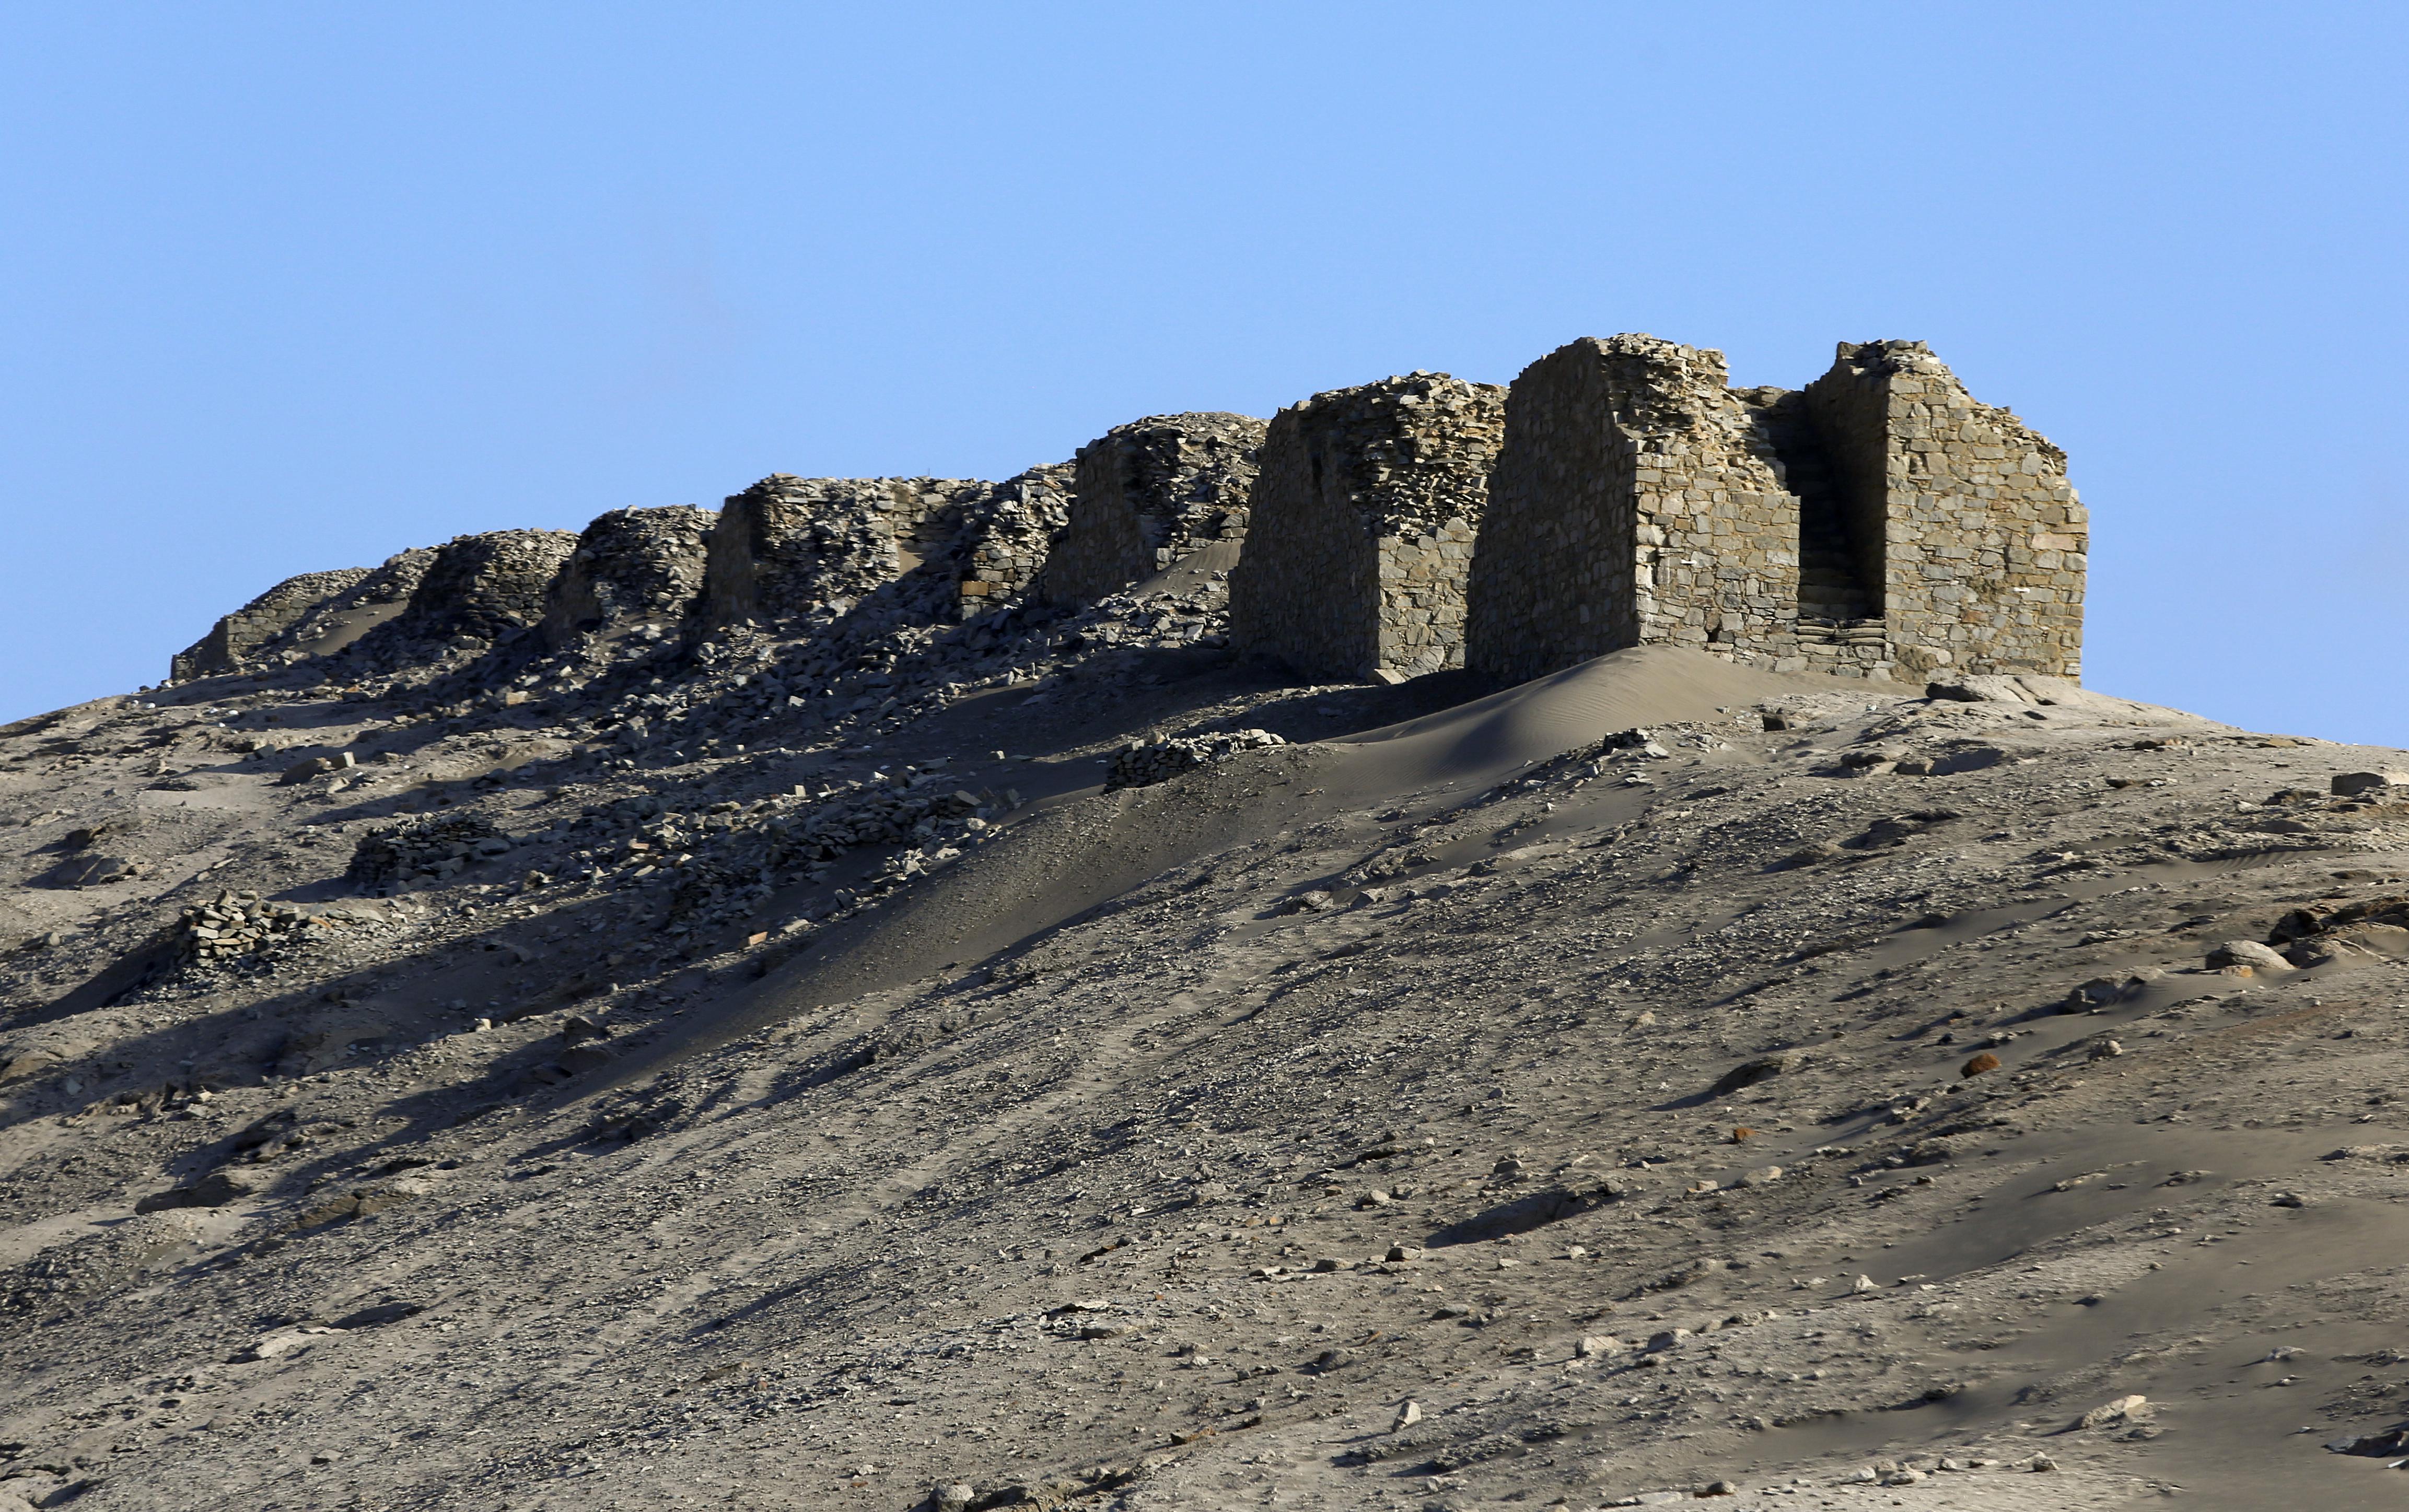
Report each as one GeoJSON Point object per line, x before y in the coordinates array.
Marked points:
{"type": "Point", "coordinates": [1147, 493]}
{"type": "Point", "coordinates": [631, 568]}
{"type": "Point", "coordinates": [1145, 763]}
{"type": "Point", "coordinates": [1360, 526]}
{"type": "Point", "coordinates": [1879, 522]}
{"type": "Point", "coordinates": [232, 642]}
{"type": "Point", "coordinates": [1964, 522]}
{"type": "Point", "coordinates": [314, 614]}
{"type": "Point", "coordinates": [997, 544]}
{"type": "Point", "coordinates": [788, 545]}
{"type": "Point", "coordinates": [1635, 501]}
{"type": "Point", "coordinates": [485, 586]}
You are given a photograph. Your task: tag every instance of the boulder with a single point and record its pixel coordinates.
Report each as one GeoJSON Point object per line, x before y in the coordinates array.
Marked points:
{"type": "Point", "coordinates": [2248, 953]}
{"type": "Point", "coordinates": [2352, 784]}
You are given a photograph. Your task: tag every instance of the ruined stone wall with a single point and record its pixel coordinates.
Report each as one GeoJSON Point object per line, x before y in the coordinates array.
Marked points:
{"type": "Point", "coordinates": [631, 567]}
{"type": "Point", "coordinates": [486, 585]}
{"type": "Point", "coordinates": [1361, 525]}
{"type": "Point", "coordinates": [1635, 499]}
{"type": "Point", "coordinates": [788, 545]}
{"type": "Point", "coordinates": [1146, 494]}
{"type": "Point", "coordinates": [999, 541]}
{"type": "Point", "coordinates": [231, 643]}
{"type": "Point", "coordinates": [1984, 542]}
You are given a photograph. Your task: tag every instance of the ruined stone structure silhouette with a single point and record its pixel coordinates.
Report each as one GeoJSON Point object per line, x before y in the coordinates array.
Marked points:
{"type": "Point", "coordinates": [788, 544]}
{"type": "Point", "coordinates": [1147, 493]}
{"type": "Point", "coordinates": [485, 586]}
{"type": "Point", "coordinates": [632, 567]}
{"type": "Point", "coordinates": [235, 639]}
{"type": "Point", "coordinates": [1361, 526]}
{"type": "Point", "coordinates": [1880, 522]}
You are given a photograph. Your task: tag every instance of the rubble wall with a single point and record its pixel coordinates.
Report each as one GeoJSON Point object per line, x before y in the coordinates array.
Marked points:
{"type": "Point", "coordinates": [997, 541]}
{"type": "Point", "coordinates": [1146, 494]}
{"type": "Point", "coordinates": [788, 545]}
{"type": "Point", "coordinates": [486, 585]}
{"type": "Point", "coordinates": [1361, 524]}
{"type": "Point", "coordinates": [1984, 542]}
{"type": "Point", "coordinates": [232, 642]}
{"type": "Point", "coordinates": [631, 567]}
{"type": "Point", "coordinates": [1635, 499]}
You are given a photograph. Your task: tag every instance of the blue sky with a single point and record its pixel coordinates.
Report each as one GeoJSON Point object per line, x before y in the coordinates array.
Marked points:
{"type": "Point", "coordinates": [293, 287]}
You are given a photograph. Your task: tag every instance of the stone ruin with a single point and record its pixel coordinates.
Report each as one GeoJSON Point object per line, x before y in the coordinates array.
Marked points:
{"type": "Point", "coordinates": [313, 614]}
{"type": "Point", "coordinates": [1879, 519]}
{"type": "Point", "coordinates": [1145, 495]}
{"type": "Point", "coordinates": [1879, 522]}
{"type": "Point", "coordinates": [790, 546]}
{"type": "Point", "coordinates": [632, 568]}
{"type": "Point", "coordinates": [995, 546]}
{"type": "Point", "coordinates": [484, 586]}
{"type": "Point", "coordinates": [1360, 526]}
{"type": "Point", "coordinates": [1635, 500]}
{"type": "Point", "coordinates": [233, 641]}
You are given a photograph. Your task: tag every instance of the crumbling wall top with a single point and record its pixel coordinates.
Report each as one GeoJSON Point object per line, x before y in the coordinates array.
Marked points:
{"type": "Point", "coordinates": [1146, 494]}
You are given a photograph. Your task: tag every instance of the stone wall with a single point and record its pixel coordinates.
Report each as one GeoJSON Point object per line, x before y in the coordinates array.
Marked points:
{"type": "Point", "coordinates": [632, 567]}
{"type": "Point", "coordinates": [1361, 526]}
{"type": "Point", "coordinates": [1984, 545]}
{"type": "Point", "coordinates": [788, 545]}
{"type": "Point", "coordinates": [486, 585]}
{"type": "Point", "coordinates": [1146, 494]}
{"type": "Point", "coordinates": [997, 542]}
{"type": "Point", "coordinates": [1879, 521]}
{"type": "Point", "coordinates": [1635, 499]}
{"type": "Point", "coordinates": [230, 645]}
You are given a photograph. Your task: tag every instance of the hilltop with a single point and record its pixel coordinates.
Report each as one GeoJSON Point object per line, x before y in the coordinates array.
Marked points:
{"type": "Point", "coordinates": [885, 997]}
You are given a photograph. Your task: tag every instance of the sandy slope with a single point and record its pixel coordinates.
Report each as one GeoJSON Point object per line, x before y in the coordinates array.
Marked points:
{"type": "Point", "coordinates": [1069, 1173]}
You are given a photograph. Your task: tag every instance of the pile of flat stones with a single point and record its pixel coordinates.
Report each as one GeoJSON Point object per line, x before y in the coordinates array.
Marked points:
{"type": "Point", "coordinates": [236, 925]}
{"type": "Point", "coordinates": [1145, 763]}
{"type": "Point", "coordinates": [421, 851]}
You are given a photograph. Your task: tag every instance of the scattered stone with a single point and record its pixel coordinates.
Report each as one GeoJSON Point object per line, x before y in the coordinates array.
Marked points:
{"type": "Point", "coordinates": [1978, 1065]}
{"type": "Point", "coordinates": [418, 852]}
{"type": "Point", "coordinates": [2121, 1409]}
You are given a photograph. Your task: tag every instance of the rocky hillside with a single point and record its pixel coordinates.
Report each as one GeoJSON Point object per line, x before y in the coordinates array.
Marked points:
{"type": "Point", "coordinates": [524, 1027]}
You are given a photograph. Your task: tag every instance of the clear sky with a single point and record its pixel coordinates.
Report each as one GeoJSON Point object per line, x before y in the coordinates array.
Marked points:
{"type": "Point", "coordinates": [289, 287]}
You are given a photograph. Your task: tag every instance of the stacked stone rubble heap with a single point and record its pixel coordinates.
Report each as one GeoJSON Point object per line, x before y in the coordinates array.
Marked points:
{"type": "Point", "coordinates": [631, 568]}
{"type": "Point", "coordinates": [1145, 763]}
{"type": "Point", "coordinates": [427, 850]}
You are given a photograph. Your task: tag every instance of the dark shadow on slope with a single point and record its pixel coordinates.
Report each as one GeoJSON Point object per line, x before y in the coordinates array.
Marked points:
{"type": "Point", "coordinates": [1521, 1215]}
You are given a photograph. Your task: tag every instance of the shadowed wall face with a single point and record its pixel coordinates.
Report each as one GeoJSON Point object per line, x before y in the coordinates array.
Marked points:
{"type": "Point", "coordinates": [1361, 525]}
{"type": "Point", "coordinates": [1146, 494]}
{"type": "Point", "coordinates": [788, 544]}
{"type": "Point", "coordinates": [631, 567]}
{"type": "Point", "coordinates": [485, 586]}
